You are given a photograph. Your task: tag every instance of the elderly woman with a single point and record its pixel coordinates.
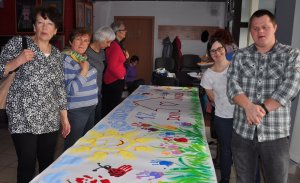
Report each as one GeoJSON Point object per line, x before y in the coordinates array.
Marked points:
{"type": "Point", "coordinates": [114, 74]}
{"type": "Point", "coordinates": [36, 102]}
{"type": "Point", "coordinates": [96, 56]}
{"type": "Point", "coordinates": [81, 86]}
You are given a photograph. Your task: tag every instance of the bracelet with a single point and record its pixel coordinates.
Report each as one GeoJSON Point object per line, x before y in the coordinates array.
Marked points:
{"type": "Point", "coordinates": [265, 108]}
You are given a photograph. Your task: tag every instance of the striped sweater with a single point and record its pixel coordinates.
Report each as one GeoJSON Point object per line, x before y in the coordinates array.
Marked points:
{"type": "Point", "coordinates": [81, 91]}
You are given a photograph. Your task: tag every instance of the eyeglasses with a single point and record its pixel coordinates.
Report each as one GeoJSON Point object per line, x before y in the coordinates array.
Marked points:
{"type": "Point", "coordinates": [214, 51]}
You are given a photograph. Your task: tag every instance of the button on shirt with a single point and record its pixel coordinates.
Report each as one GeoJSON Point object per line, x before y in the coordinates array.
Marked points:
{"type": "Point", "coordinates": [276, 75]}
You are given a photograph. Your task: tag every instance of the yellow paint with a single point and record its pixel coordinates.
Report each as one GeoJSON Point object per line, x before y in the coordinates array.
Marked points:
{"type": "Point", "coordinates": [98, 156]}
{"type": "Point", "coordinates": [111, 132]}
{"type": "Point", "coordinates": [166, 153]}
{"type": "Point", "coordinates": [144, 140]}
{"type": "Point", "coordinates": [127, 155]}
{"type": "Point", "coordinates": [80, 149]}
{"type": "Point", "coordinates": [169, 127]}
{"type": "Point", "coordinates": [95, 134]}
{"type": "Point", "coordinates": [113, 142]}
{"type": "Point", "coordinates": [92, 141]}
{"type": "Point", "coordinates": [144, 148]}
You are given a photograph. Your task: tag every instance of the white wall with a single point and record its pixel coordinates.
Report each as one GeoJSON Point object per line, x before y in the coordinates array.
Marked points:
{"type": "Point", "coordinates": [165, 13]}
{"type": "Point", "coordinates": [295, 142]}
{"type": "Point", "coordinates": [296, 28]}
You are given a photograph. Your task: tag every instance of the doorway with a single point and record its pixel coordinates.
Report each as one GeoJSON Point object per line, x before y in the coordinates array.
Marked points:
{"type": "Point", "coordinates": [140, 41]}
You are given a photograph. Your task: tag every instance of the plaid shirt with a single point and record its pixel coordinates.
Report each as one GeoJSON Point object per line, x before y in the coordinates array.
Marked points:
{"type": "Point", "coordinates": [276, 75]}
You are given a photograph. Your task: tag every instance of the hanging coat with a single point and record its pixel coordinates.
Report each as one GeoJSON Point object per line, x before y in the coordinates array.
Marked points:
{"type": "Point", "coordinates": [167, 48]}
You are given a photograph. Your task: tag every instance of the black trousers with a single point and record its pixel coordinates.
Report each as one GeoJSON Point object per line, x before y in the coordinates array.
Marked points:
{"type": "Point", "coordinates": [98, 109]}
{"type": "Point", "coordinates": [3, 117]}
{"type": "Point", "coordinates": [30, 147]}
{"type": "Point", "coordinates": [111, 96]}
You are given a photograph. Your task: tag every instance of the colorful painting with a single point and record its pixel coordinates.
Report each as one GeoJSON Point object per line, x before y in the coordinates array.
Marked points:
{"type": "Point", "coordinates": [156, 135]}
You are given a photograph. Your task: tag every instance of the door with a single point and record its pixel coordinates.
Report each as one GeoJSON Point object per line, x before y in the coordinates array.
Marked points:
{"type": "Point", "coordinates": [140, 41]}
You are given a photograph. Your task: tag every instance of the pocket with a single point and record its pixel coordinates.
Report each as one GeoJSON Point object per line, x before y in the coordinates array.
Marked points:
{"type": "Point", "coordinates": [275, 70]}
{"type": "Point", "coordinates": [248, 69]}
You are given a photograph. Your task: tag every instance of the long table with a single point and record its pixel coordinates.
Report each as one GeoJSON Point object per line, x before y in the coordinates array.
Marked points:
{"type": "Point", "coordinates": [155, 135]}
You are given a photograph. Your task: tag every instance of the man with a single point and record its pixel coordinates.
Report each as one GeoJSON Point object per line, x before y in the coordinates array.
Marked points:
{"type": "Point", "coordinates": [262, 80]}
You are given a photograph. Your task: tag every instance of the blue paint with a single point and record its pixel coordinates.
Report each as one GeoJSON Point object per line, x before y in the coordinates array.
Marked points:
{"type": "Point", "coordinates": [118, 118]}
{"type": "Point", "coordinates": [67, 161]}
{"type": "Point", "coordinates": [156, 175]}
{"type": "Point", "coordinates": [159, 162]}
{"type": "Point", "coordinates": [166, 163]}
{"type": "Point", "coordinates": [100, 127]}
{"type": "Point", "coordinates": [142, 115]}
{"type": "Point", "coordinates": [55, 177]}
{"type": "Point", "coordinates": [167, 134]}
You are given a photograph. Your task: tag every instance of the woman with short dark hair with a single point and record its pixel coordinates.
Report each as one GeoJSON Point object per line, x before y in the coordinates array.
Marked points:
{"type": "Point", "coordinates": [36, 102]}
{"type": "Point", "coordinates": [81, 86]}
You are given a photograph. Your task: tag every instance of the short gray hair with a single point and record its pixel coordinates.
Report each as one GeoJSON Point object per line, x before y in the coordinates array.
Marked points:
{"type": "Point", "coordinates": [116, 25]}
{"type": "Point", "coordinates": [104, 33]}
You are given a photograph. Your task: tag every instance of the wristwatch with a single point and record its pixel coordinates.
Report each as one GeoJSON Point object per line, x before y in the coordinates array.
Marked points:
{"type": "Point", "coordinates": [264, 107]}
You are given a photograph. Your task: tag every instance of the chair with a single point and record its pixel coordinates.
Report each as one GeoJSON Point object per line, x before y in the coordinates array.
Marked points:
{"type": "Point", "coordinates": [167, 63]}
{"type": "Point", "coordinates": [189, 63]}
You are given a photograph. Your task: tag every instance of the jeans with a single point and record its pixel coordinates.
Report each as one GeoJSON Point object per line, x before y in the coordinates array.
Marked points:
{"type": "Point", "coordinates": [98, 109]}
{"type": "Point", "coordinates": [29, 147]}
{"type": "Point", "coordinates": [81, 121]}
{"type": "Point", "coordinates": [274, 158]}
{"type": "Point", "coordinates": [223, 127]}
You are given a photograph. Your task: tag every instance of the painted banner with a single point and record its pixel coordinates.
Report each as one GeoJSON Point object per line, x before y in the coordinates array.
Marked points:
{"type": "Point", "coordinates": [155, 135]}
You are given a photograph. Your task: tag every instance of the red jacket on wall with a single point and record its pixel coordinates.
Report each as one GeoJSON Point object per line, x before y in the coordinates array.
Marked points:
{"type": "Point", "coordinates": [177, 55]}
{"type": "Point", "coordinates": [115, 59]}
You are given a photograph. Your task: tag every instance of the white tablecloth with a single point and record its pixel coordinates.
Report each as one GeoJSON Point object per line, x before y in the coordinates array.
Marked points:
{"type": "Point", "coordinates": [155, 135]}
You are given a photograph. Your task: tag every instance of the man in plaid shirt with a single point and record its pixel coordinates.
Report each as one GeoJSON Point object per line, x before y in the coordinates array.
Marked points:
{"type": "Point", "coordinates": [262, 80]}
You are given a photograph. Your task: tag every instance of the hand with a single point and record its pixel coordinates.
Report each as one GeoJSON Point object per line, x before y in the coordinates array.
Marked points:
{"type": "Point", "coordinates": [254, 114]}
{"type": "Point", "coordinates": [118, 172]}
{"type": "Point", "coordinates": [66, 127]}
{"type": "Point", "coordinates": [126, 54]}
{"type": "Point", "coordinates": [25, 56]}
{"type": "Point", "coordinates": [84, 68]}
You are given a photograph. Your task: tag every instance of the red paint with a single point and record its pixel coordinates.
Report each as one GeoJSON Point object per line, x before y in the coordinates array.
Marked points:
{"type": "Point", "coordinates": [174, 116]}
{"type": "Point", "coordinates": [152, 129]}
{"type": "Point", "coordinates": [105, 181]}
{"type": "Point", "coordinates": [87, 176]}
{"type": "Point", "coordinates": [167, 138]}
{"type": "Point", "coordinates": [79, 180]}
{"type": "Point", "coordinates": [118, 172]}
{"type": "Point", "coordinates": [181, 139]}
{"type": "Point", "coordinates": [145, 125]}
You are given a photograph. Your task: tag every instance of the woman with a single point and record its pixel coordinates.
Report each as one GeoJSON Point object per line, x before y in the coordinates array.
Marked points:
{"type": "Point", "coordinates": [214, 82]}
{"type": "Point", "coordinates": [36, 101]}
{"type": "Point", "coordinates": [81, 86]}
{"type": "Point", "coordinates": [114, 74]}
{"type": "Point", "coordinates": [96, 56]}
{"type": "Point", "coordinates": [225, 36]}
